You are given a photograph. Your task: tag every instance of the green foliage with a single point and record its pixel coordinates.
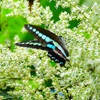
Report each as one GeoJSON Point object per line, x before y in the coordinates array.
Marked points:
{"type": "Point", "coordinates": [56, 11]}
{"type": "Point", "coordinates": [10, 25]}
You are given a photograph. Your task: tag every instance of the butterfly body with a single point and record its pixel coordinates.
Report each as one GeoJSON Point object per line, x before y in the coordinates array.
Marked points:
{"type": "Point", "coordinates": [48, 41]}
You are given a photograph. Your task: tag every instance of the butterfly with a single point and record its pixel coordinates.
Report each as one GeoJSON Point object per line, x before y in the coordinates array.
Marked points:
{"type": "Point", "coordinates": [46, 40]}
{"type": "Point", "coordinates": [30, 4]}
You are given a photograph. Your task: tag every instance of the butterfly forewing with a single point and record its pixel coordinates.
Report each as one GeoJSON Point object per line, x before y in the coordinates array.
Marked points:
{"type": "Point", "coordinates": [32, 44]}
{"type": "Point", "coordinates": [35, 44]}
{"type": "Point", "coordinates": [46, 36]}
{"type": "Point", "coordinates": [57, 58]}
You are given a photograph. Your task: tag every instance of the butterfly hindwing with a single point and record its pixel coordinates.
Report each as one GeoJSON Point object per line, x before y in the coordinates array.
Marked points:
{"type": "Point", "coordinates": [57, 58]}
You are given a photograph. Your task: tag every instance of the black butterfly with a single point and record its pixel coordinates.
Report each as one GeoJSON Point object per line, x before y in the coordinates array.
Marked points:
{"type": "Point", "coordinates": [46, 40]}
{"type": "Point", "coordinates": [30, 4]}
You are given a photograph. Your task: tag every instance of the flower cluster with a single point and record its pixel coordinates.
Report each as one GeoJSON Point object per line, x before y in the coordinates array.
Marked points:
{"type": "Point", "coordinates": [29, 72]}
